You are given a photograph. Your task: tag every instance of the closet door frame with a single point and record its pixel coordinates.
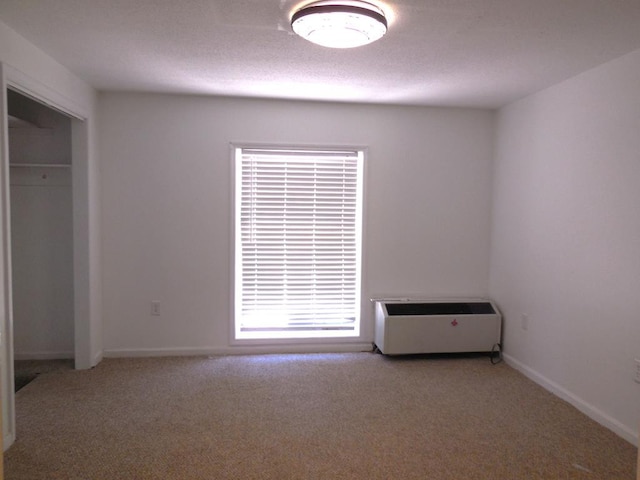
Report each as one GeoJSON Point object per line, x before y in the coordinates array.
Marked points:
{"type": "Point", "coordinates": [15, 80]}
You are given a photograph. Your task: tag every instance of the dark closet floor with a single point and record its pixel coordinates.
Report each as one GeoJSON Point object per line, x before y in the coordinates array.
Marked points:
{"type": "Point", "coordinates": [25, 371]}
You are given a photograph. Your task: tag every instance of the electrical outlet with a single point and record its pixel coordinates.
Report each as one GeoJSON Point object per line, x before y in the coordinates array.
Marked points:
{"type": "Point", "coordinates": [524, 322]}
{"type": "Point", "coordinates": [155, 309]}
{"type": "Point", "coordinates": [637, 376]}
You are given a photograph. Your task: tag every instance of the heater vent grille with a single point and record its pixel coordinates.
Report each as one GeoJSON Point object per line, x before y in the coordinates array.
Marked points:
{"type": "Point", "coordinates": [449, 308]}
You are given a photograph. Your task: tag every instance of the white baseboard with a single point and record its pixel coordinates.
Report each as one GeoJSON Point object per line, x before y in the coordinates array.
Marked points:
{"type": "Point", "coordinates": [158, 352]}
{"type": "Point", "coordinates": [97, 359]}
{"type": "Point", "coordinates": [585, 407]}
{"type": "Point", "coordinates": [239, 350]}
{"type": "Point", "coordinates": [43, 356]}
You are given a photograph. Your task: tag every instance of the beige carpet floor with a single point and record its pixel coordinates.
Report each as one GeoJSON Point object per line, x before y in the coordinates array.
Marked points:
{"type": "Point", "coordinates": [320, 416]}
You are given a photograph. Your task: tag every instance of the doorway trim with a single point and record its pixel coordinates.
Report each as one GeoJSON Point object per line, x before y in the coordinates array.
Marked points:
{"type": "Point", "coordinates": [11, 78]}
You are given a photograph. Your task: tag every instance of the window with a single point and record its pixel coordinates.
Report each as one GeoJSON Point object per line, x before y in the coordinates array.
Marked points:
{"type": "Point", "coordinates": [298, 222]}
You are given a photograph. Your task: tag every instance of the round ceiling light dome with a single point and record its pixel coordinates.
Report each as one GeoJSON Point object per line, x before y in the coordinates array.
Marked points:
{"type": "Point", "coordinates": [338, 24]}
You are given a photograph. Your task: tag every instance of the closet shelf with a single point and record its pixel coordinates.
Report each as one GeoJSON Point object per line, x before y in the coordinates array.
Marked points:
{"type": "Point", "coordinates": [40, 165]}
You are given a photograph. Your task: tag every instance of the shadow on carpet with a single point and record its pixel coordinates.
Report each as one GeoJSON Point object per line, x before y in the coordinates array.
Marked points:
{"type": "Point", "coordinates": [23, 380]}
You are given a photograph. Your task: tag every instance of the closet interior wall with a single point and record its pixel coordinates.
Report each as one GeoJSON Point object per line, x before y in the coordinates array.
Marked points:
{"type": "Point", "coordinates": [41, 230]}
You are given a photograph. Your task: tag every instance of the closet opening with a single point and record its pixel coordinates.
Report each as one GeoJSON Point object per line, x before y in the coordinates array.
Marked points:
{"type": "Point", "coordinates": [41, 216]}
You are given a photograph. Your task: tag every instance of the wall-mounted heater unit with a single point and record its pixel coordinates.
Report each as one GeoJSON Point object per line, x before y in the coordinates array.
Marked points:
{"type": "Point", "coordinates": [436, 326]}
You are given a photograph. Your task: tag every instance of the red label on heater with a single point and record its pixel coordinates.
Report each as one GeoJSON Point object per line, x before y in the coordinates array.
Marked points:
{"type": "Point", "coordinates": [455, 322]}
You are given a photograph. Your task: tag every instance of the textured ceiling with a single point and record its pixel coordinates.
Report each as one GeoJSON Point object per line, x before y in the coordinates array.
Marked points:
{"type": "Point", "coordinates": [479, 53]}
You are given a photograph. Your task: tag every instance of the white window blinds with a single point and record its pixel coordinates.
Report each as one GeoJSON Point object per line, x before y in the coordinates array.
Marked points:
{"type": "Point", "coordinates": [298, 236]}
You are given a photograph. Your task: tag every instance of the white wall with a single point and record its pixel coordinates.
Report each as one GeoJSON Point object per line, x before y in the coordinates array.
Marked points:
{"type": "Point", "coordinates": [566, 239]}
{"type": "Point", "coordinates": [165, 169]}
{"type": "Point", "coordinates": [34, 72]}
{"type": "Point", "coordinates": [45, 72]}
{"type": "Point", "coordinates": [42, 252]}
{"type": "Point", "coordinates": [26, 67]}
{"type": "Point", "coordinates": [41, 232]}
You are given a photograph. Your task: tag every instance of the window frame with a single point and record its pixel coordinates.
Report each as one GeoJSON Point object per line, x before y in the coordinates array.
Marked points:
{"type": "Point", "coordinates": [345, 337]}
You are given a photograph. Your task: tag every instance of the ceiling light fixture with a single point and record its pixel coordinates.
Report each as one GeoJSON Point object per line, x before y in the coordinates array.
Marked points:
{"type": "Point", "coordinates": [340, 24]}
